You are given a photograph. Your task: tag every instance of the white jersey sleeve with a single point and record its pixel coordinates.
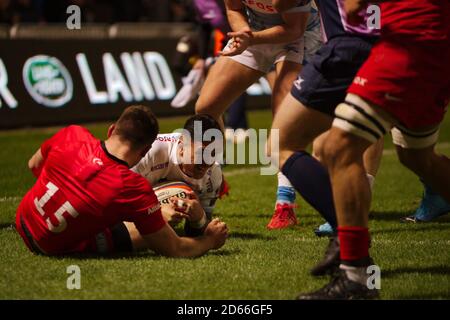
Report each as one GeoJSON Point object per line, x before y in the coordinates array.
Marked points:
{"type": "Point", "coordinates": [209, 194]}
{"type": "Point", "coordinates": [154, 166]}
{"type": "Point", "coordinates": [262, 15]}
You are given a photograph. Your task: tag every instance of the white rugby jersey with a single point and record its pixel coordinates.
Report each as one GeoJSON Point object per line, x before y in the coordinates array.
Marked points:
{"type": "Point", "coordinates": [262, 15]}
{"type": "Point", "coordinates": [160, 164]}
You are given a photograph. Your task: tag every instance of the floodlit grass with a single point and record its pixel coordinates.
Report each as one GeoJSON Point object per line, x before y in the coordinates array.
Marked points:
{"type": "Point", "coordinates": [254, 264]}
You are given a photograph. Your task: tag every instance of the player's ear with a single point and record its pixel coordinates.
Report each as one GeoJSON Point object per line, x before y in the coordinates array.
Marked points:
{"type": "Point", "coordinates": [111, 129]}
{"type": "Point", "coordinates": [181, 148]}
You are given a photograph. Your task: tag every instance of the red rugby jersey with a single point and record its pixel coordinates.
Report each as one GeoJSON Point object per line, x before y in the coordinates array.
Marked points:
{"type": "Point", "coordinates": [81, 190]}
{"type": "Point", "coordinates": [424, 20]}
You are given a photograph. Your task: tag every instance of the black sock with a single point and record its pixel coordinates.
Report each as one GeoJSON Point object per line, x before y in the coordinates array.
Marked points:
{"type": "Point", "coordinates": [310, 178]}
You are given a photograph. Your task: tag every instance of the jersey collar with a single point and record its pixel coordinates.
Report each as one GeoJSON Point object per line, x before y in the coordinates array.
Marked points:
{"type": "Point", "coordinates": [112, 156]}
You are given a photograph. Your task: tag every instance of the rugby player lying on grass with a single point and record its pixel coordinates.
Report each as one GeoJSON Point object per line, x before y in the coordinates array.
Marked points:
{"type": "Point", "coordinates": [86, 200]}
{"type": "Point", "coordinates": [171, 158]}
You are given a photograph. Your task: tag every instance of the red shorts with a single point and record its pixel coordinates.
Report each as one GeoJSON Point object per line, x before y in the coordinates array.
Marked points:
{"type": "Point", "coordinates": [410, 81]}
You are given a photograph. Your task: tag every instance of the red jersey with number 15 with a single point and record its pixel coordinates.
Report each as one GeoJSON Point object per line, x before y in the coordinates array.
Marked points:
{"type": "Point", "coordinates": [81, 190]}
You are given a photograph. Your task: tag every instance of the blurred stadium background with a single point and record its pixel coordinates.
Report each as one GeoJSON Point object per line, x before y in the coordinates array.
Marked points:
{"type": "Point", "coordinates": [124, 53]}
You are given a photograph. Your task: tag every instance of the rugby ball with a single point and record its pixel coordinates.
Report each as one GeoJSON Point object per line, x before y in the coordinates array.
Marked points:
{"type": "Point", "coordinates": [165, 190]}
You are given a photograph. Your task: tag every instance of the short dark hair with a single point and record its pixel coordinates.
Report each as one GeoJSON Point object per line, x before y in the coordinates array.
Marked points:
{"type": "Point", "coordinates": [207, 123]}
{"type": "Point", "coordinates": [138, 126]}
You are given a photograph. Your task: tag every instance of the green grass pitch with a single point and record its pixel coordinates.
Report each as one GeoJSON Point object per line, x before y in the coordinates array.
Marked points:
{"type": "Point", "coordinates": [254, 263]}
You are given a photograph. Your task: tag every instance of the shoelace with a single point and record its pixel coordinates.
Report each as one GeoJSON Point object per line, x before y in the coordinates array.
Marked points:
{"type": "Point", "coordinates": [285, 210]}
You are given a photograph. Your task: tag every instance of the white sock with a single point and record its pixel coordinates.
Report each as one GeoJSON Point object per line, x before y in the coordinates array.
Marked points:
{"type": "Point", "coordinates": [283, 181]}
{"type": "Point", "coordinates": [285, 190]}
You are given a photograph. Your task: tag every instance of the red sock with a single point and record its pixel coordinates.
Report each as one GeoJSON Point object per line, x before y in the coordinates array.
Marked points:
{"type": "Point", "coordinates": [354, 243]}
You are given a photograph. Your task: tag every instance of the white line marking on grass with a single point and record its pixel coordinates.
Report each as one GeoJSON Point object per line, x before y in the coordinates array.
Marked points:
{"type": "Point", "coordinates": [9, 199]}
{"type": "Point", "coordinates": [237, 172]}
{"type": "Point", "coordinates": [383, 241]}
{"type": "Point", "coordinates": [443, 145]}
{"type": "Point", "coordinates": [412, 242]}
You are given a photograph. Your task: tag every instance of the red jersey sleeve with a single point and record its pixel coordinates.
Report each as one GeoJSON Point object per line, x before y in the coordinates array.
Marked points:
{"type": "Point", "coordinates": [47, 146]}
{"type": "Point", "coordinates": [141, 205]}
{"type": "Point", "coordinates": [71, 134]}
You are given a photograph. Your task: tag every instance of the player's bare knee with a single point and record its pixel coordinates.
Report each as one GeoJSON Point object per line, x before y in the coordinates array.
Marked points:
{"type": "Point", "coordinates": [317, 151]}
{"type": "Point", "coordinates": [332, 149]}
{"type": "Point", "coordinates": [338, 149]}
{"type": "Point", "coordinates": [284, 156]}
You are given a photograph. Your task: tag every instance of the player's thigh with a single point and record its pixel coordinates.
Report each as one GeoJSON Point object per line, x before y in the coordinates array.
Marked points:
{"type": "Point", "coordinates": [114, 239]}
{"type": "Point", "coordinates": [225, 82]}
{"type": "Point", "coordinates": [271, 77]}
{"type": "Point", "coordinates": [296, 127]}
{"type": "Point", "coordinates": [286, 73]}
{"type": "Point", "coordinates": [415, 149]}
{"type": "Point", "coordinates": [372, 157]}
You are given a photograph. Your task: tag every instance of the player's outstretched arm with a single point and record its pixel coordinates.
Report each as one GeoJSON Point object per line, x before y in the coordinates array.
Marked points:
{"type": "Point", "coordinates": [168, 243]}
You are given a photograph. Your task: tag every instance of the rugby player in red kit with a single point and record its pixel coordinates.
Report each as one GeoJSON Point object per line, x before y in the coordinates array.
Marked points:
{"type": "Point", "coordinates": [86, 200]}
{"type": "Point", "coordinates": [403, 87]}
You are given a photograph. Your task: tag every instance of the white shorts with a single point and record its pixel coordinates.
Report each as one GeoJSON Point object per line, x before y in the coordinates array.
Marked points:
{"type": "Point", "coordinates": [262, 57]}
{"type": "Point", "coordinates": [313, 42]}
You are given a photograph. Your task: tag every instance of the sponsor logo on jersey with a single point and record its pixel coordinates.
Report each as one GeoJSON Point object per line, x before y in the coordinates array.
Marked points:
{"type": "Point", "coordinates": [390, 97]}
{"type": "Point", "coordinates": [260, 5]}
{"type": "Point", "coordinates": [159, 166]}
{"type": "Point", "coordinates": [360, 81]}
{"type": "Point", "coordinates": [97, 161]}
{"type": "Point", "coordinates": [298, 83]}
{"type": "Point", "coordinates": [47, 81]}
{"type": "Point", "coordinates": [155, 208]}
{"type": "Point", "coordinates": [167, 139]}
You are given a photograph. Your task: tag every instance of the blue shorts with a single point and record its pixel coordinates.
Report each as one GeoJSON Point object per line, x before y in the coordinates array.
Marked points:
{"type": "Point", "coordinates": [323, 82]}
